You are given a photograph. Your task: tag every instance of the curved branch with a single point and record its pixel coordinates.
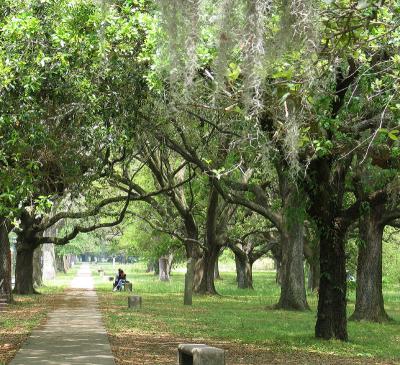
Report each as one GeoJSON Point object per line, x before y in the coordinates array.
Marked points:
{"type": "Point", "coordinates": [83, 229]}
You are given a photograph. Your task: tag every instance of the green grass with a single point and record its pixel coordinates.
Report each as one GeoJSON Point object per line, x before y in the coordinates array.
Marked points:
{"type": "Point", "coordinates": [244, 316]}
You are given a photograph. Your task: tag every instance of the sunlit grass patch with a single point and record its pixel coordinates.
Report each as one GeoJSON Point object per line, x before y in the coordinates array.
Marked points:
{"type": "Point", "coordinates": [243, 317]}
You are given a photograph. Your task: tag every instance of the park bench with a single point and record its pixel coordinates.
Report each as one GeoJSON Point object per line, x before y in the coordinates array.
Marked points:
{"type": "Point", "coordinates": [126, 285]}
{"type": "Point", "coordinates": [199, 354]}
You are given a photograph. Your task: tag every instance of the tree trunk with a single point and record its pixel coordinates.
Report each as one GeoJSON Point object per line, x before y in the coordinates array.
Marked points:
{"type": "Point", "coordinates": [163, 264]}
{"type": "Point", "coordinates": [313, 275]}
{"type": "Point", "coordinates": [204, 273]}
{"type": "Point", "coordinates": [326, 192]}
{"type": "Point", "coordinates": [170, 261]}
{"type": "Point", "coordinates": [189, 276]}
{"type": "Point", "coordinates": [5, 261]}
{"type": "Point", "coordinates": [278, 275]}
{"type": "Point", "coordinates": [150, 266]}
{"type": "Point", "coordinates": [217, 275]}
{"type": "Point", "coordinates": [244, 272]}
{"type": "Point", "coordinates": [37, 268]}
{"type": "Point", "coordinates": [369, 297]}
{"type": "Point", "coordinates": [156, 268]}
{"type": "Point", "coordinates": [49, 262]}
{"type": "Point", "coordinates": [67, 262]}
{"type": "Point", "coordinates": [60, 264]}
{"type": "Point", "coordinates": [193, 255]}
{"type": "Point", "coordinates": [331, 317]}
{"type": "Point", "coordinates": [206, 266]}
{"type": "Point", "coordinates": [24, 271]}
{"type": "Point", "coordinates": [293, 291]}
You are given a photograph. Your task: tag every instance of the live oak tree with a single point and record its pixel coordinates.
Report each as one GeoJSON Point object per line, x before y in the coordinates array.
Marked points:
{"type": "Point", "coordinates": [379, 192]}
{"type": "Point", "coordinates": [250, 238]}
{"type": "Point", "coordinates": [324, 96]}
{"type": "Point", "coordinates": [55, 69]}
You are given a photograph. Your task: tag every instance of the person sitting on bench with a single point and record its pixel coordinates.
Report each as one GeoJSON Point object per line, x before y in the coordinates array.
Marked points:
{"type": "Point", "coordinates": [120, 280]}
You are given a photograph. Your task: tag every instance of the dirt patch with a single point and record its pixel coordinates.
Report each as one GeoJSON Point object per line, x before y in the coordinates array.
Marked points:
{"type": "Point", "coordinates": [153, 349]}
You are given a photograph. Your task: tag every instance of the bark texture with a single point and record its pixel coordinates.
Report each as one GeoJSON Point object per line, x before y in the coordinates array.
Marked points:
{"type": "Point", "coordinates": [49, 262]}
{"type": "Point", "coordinates": [313, 276]}
{"type": "Point", "coordinates": [26, 245]}
{"type": "Point", "coordinates": [217, 275]}
{"type": "Point", "coordinates": [192, 254]}
{"type": "Point", "coordinates": [244, 272]}
{"type": "Point", "coordinates": [38, 267]}
{"type": "Point", "coordinates": [24, 271]}
{"type": "Point", "coordinates": [311, 252]}
{"type": "Point", "coordinates": [204, 268]}
{"type": "Point", "coordinates": [331, 317]}
{"type": "Point", "coordinates": [326, 193]}
{"type": "Point", "coordinates": [293, 292]}
{"type": "Point", "coordinates": [369, 297]}
{"type": "Point", "coordinates": [5, 261]}
{"type": "Point", "coordinates": [204, 272]}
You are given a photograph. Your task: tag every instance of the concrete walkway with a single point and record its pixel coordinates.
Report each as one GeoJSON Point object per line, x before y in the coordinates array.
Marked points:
{"type": "Point", "coordinates": [73, 334]}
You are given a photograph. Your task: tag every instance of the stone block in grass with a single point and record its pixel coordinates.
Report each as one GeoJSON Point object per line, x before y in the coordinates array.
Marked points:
{"type": "Point", "coordinates": [200, 354]}
{"type": "Point", "coordinates": [134, 302]}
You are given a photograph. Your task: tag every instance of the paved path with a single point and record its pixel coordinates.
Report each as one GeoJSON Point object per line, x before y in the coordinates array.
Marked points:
{"type": "Point", "coordinates": [73, 334]}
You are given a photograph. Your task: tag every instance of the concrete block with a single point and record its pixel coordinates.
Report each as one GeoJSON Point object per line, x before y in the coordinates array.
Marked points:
{"type": "Point", "coordinates": [200, 354]}
{"type": "Point", "coordinates": [134, 302]}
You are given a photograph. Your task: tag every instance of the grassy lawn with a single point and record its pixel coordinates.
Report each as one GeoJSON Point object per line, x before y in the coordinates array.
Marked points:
{"type": "Point", "coordinates": [243, 318]}
{"type": "Point", "coordinates": [28, 312]}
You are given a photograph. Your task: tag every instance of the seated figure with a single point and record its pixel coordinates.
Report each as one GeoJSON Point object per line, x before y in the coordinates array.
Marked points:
{"type": "Point", "coordinates": [119, 281]}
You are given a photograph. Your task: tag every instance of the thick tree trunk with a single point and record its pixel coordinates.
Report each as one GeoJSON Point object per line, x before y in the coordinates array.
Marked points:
{"type": "Point", "coordinates": [204, 272]}
{"type": "Point", "coordinates": [206, 266]}
{"type": "Point", "coordinates": [49, 262]}
{"type": "Point", "coordinates": [369, 297]}
{"type": "Point", "coordinates": [293, 291]}
{"type": "Point", "coordinates": [331, 317]}
{"type": "Point", "coordinates": [326, 192]}
{"type": "Point", "coordinates": [37, 267]}
{"type": "Point", "coordinates": [244, 272]}
{"type": "Point", "coordinates": [24, 271]}
{"type": "Point", "coordinates": [5, 262]}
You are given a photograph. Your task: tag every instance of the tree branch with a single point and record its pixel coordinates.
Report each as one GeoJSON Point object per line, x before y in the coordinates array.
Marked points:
{"type": "Point", "coordinates": [83, 229]}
